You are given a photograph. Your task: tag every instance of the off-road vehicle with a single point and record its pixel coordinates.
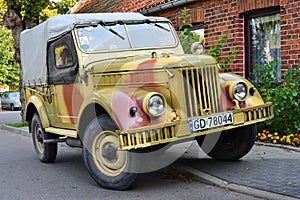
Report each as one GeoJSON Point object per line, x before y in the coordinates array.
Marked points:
{"type": "Point", "coordinates": [119, 86]}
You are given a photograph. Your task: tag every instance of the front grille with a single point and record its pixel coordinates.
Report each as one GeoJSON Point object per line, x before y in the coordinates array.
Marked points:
{"type": "Point", "coordinates": [259, 113]}
{"type": "Point", "coordinates": [202, 90]}
{"type": "Point", "coordinates": [147, 137]}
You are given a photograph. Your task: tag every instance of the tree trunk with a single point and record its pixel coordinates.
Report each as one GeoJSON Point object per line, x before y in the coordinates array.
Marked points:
{"type": "Point", "coordinates": [13, 20]}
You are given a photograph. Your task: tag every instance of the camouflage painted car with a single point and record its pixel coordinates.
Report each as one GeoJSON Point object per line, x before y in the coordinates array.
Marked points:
{"type": "Point", "coordinates": [119, 85]}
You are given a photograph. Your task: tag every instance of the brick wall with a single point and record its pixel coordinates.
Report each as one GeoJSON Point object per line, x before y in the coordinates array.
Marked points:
{"type": "Point", "coordinates": [224, 17]}
{"type": "Point", "coordinates": [290, 32]}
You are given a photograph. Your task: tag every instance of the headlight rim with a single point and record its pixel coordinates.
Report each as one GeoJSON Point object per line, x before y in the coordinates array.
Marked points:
{"type": "Point", "coordinates": [232, 89]}
{"type": "Point", "coordinates": [146, 103]}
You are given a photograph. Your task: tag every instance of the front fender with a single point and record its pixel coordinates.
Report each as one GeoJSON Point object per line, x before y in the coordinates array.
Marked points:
{"type": "Point", "coordinates": [117, 105]}
{"type": "Point", "coordinates": [225, 80]}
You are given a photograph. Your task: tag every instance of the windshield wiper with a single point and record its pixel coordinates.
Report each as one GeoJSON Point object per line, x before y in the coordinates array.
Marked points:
{"type": "Point", "coordinates": [113, 31]}
{"type": "Point", "coordinates": [157, 25]}
{"type": "Point", "coordinates": [161, 27]}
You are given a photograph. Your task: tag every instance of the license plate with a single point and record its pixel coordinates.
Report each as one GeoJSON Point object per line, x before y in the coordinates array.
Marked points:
{"type": "Point", "coordinates": [211, 121]}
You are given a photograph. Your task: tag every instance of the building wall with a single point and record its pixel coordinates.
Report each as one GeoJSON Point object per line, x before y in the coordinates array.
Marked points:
{"type": "Point", "coordinates": [290, 32]}
{"type": "Point", "coordinates": [223, 17]}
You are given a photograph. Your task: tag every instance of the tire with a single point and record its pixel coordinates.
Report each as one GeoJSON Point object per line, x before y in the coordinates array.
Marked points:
{"type": "Point", "coordinates": [109, 167]}
{"type": "Point", "coordinates": [232, 144]}
{"type": "Point", "coordinates": [12, 107]}
{"type": "Point", "coordinates": [46, 152]}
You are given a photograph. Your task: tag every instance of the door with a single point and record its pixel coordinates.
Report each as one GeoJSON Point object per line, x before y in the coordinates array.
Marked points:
{"type": "Point", "coordinates": [64, 88]}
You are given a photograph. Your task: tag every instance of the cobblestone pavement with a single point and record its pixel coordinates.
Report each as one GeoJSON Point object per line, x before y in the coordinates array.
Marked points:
{"type": "Point", "coordinates": [267, 168]}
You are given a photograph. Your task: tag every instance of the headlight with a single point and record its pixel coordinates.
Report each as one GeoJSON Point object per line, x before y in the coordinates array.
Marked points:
{"type": "Point", "coordinates": [154, 104]}
{"type": "Point", "coordinates": [197, 48]}
{"type": "Point", "coordinates": [240, 91]}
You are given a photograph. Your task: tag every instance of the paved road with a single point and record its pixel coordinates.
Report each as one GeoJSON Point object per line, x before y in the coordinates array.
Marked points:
{"type": "Point", "coordinates": [22, 176]}
{"type": "Point", "coordinates": [10, 117]}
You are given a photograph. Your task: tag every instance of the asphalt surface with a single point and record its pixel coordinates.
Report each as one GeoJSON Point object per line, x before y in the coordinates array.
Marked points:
{"type": "Point", "coordinates": [10, 117]}
{"type": "Point", "coordinates": [23, 176]}
{"type": "Point", "coordinates": [266, 172]}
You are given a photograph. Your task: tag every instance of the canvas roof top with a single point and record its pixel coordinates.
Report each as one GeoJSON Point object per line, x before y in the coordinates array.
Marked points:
{"type": "Point", "coordinates": [33, 42]}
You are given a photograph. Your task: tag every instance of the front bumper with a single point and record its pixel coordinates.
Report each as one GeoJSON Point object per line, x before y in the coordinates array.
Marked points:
{"type": "Point", "coordinates": [179, 130]}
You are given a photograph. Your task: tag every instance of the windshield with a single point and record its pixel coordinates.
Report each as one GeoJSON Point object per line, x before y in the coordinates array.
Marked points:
{"type": "Point", "coordinates": [114, 37]}
{"type": "Point", "coordinates": [14, 95]}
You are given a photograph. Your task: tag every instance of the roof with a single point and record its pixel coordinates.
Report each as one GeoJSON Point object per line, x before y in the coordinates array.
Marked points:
{"type": "Point", "coordinates": [33, 42]}
{"type": "Point", "coordinates": [86, 6]}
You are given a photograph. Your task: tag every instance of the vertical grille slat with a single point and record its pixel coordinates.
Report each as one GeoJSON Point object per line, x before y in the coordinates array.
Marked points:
{"type": "Point", "coordinates": [202, 90]}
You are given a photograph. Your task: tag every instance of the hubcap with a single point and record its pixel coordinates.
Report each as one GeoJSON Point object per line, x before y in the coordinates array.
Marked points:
{"type": "Point", "coordinates": [108, 159]}
{"type": "Point", "coordinates": [39, 138]}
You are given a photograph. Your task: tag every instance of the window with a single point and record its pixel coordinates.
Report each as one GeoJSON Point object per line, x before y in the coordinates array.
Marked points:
{"type": "Point", "coordinates": [62, 61]}
{"type": "Point", "coordinates": [262, 34]}
{"type": "Point", "coordinates": [63, 57]}
{"type": "Point", "coordinates": [198, 28]}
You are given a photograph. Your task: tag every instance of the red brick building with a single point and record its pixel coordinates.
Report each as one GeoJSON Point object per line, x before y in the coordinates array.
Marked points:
{"type": "Point", "coordinates": [263, 30]}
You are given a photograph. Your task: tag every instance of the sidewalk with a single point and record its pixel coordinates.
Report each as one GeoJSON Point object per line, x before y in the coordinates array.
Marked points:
{"type": "Point", "coordinates": [267, 172]}
{"type": "Point", "coordinates": [265, 168]}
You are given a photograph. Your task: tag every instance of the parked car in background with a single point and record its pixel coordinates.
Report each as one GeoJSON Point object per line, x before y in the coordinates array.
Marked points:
{"type": "Point", "coordinates": [11, 100]}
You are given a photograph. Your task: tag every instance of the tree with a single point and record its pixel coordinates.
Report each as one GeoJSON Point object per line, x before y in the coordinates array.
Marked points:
{"type": "Point", "coordinates": [21, 15]}
{"type": "Point", "coordinates": [64, 6]}
{"type": "Point", "coordinates": [9, 68]}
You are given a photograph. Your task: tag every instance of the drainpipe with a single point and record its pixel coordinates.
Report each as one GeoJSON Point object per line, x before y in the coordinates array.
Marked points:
{"type": "Point", "coordinates": [165, 6]}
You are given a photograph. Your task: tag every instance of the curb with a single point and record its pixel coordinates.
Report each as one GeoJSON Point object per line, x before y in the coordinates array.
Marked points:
{"type": "Point", "coordinates": [15, 130]}
{"type": "Point", "coordinates": [212, 180]}
{"type": "Point", "coordinates": [292, 148]}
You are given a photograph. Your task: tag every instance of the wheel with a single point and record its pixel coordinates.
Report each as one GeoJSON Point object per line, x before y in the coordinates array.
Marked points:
{"type": "Point", "coordinates": [232, 144]}
{"type": "Point", "coordinates": [12, 107]}
{"type": "Point", "coordinates": [46, 151]}
{"type": "Point", "coordinates": [110, 167]}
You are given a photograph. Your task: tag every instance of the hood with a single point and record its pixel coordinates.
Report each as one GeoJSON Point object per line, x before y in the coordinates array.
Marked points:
{"type": "Point", "coordinates": [146, 62]}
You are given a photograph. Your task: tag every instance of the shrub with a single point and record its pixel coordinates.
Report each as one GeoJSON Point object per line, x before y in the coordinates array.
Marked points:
{"type": "Point", "coordinates": [283, 93]}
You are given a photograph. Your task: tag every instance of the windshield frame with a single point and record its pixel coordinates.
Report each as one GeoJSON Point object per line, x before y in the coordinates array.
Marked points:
{"type": "Point", "coordinates": [128, 36]}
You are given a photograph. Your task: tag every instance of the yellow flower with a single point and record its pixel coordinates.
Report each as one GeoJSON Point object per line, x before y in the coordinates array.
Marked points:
{"type": "Point", "coordinates": [288, 140]}
{"type": "Point", "coordinates": [276, 133]}
{"type": "Point", "coordinates": [274, 141]}
{"type": "Point", "coordinates": [269, 135]}
{"type": "Point", "coordinates": [258, 134]}
{"type": "Point", "coordinates": [277, 137]}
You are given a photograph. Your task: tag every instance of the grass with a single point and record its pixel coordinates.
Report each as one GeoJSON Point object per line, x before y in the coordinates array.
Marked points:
{"type": "Point", "coordinates": [18, 125]}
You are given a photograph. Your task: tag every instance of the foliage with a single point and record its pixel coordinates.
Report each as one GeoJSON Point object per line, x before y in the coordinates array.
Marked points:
{"type": "Point", "coordinates": [9, 68]}
{"type": "Point", "coordinates": [275, 138]}
{"type": "Point", "coordinates": [284, 94]}
{"type": "Point", "coordinates": [216, 51]}
{"type": "Point", "coordinates": [39, 11]}
{"type": "Point", "coordinates": [187, 38]}
{"type": "Point", "coordinates": [64, 6]}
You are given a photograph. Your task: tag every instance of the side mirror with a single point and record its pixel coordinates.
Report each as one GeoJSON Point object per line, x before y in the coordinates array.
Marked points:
{"type": "Point", "coordinates": [197, 48]}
